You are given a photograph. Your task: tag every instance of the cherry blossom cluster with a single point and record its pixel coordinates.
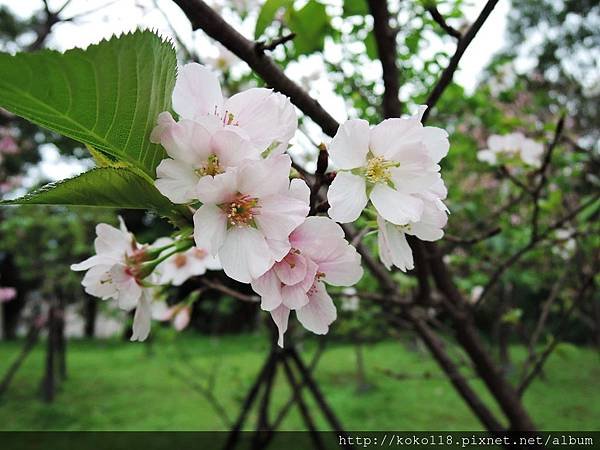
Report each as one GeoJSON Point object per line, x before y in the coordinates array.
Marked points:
{"type": "Point", "coordinates": [227, 162]}
{"type": "Point", "coordinates": [510, 148]}
{"type": "Point", "coordinates": [393, 166]}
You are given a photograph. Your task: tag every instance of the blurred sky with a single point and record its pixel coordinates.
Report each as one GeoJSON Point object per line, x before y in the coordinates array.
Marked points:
{"type": "Point", "coordinates": [98, 19]}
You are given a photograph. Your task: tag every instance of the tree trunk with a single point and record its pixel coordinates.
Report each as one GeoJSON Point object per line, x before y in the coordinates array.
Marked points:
{"type": "Point", "coordinates": [90, 315]}
{"type": "Point", "coordinates": [49, 380]}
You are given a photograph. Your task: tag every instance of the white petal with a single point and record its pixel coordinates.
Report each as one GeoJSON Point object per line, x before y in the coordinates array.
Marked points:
{"type": "Point", "coordinates": [111, 240]}
{"type": "Point", "coordinates": [281, 316]}
{"type": "Point", "coordinates": [396, 207]}
{"type": "Point", "coordinates": [318, 237]}
{"type": "Point", "coordinates": [232, 149]}
{"type": "Point", "coordinates": [218, 189]}
{"type": "Point", "coordinates": [210, 228]}
{"type": "Point", "coordinates": [187, 141]}
{"type": "Point", "coordinates": [319, 313]}
{"type": "Point", "coordinates": [268, 287]}
{"type": "Point", "coordinates": [176, 180]}
{"type": "Point", "coordinates": [393, 247]}
{"type": "Point", "coordinates": [142, 319]}
{"type": "Point", "coordinates": [487, 156]}
{"type": "Point", "coordinates": [350, 145]}
{"type": "Point", "coordinates": [197, 92]}
{"type": "Point", "coordinates": [265, 177]}
{"type": "Point", "coordinates": [394, 137]}
{"type": "Point", "coordinates": [300, 190]}
{"type": "Point", "coordinates": [436, 142]}
{"type": "Point", "coordinates": [245, 254]}
{"type": "Point", "coordinates": [347, 197]}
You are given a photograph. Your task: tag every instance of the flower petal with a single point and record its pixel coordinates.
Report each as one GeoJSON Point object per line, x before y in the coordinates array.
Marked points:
{"type": "Point", "coordinates": [279, 215]}
{"type": "Point", "coordinates": [176, 180]}
{"type": "Point", "coordinates": [319, 312]}
{"type": "Point", "coordinates": [294, 297]}
{"type": "Point", "coordinates": [396, 207]}
{"type": "Point", "coordinates": [347, 197]}
{"type": "Point", "coordinates": [218, 189]}
{"type": "Point", "coordinates": [245, 254]}
{"type": "Point", "coordinates": [197, 92]}
{"type": "Point", "coordinates": [350, 145]}
{"type": "Point", "coordinates": [268, 287]}
{"type": "Point", "coordinates": [265, 177]}
{"type": "Point", "coordinates": [210, 228]}
{"type": "Point", "coordinates": [393, 247]}
{"type": "Point", "coordinates": [281, 316]}
{"type": "Point", "coordinates": [142, 319]}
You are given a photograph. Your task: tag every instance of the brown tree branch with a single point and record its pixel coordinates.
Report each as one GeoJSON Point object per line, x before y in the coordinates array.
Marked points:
{"type": "Point", "coordinates": [463, 44]}
{"type": "Point", "coordinates": [441, 21]}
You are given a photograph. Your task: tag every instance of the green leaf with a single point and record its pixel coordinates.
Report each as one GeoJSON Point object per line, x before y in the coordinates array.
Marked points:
{"type": "Point", "coordinates": [371, 46]}
{"type": "Point", "coordinates": [355, 8]}
{"type": "Point", "coordinates": [267, 14]}
{"type": "Point", "coordinates": [107, 96]}
{"type": "Point", "coordinates": [106, 187]}
{"type": "Point", "coordinates": [311, 24]}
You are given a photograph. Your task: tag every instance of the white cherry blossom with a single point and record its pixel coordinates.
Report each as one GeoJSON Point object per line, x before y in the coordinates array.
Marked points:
{"type": "Point", "coordinates": [393, 246]}
{"type": "Point", "coordinates": [319, 254]}
{"type": "Point", "coordinates": [509, 147]}
{"type": "Point", "coordinates": [265, 118]}
{"type": "Point", "coordinates": [247, 214]}
{"type": "Point", "coordinates": [115, 272]}
{"type": "Point", "coordinates": [390, 164]}
{"type": "Point", "coordinates": [195, 151]}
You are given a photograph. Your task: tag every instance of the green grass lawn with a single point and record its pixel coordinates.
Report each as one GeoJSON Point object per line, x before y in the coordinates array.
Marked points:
{"type": "Point", "coordinates": [115, 385]}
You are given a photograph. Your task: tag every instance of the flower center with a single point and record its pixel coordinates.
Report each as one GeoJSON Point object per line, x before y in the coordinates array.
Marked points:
{"type": "Point", "coordinates": [211, 167]}
{"type": "Point", "coordinates": [378, 170]}
{"type": "Point", "coordinates": [180, 260]}
{"type": "Point", "coordinates": [200, 253]}
{"type": "Point", "coordinates": [241, 211]}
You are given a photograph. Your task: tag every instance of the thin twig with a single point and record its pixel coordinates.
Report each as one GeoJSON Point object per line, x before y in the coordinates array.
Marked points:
{"type": "Point", "coordinates": [261, 47]}
{"type": "Point", "coordinates": [437, 16]}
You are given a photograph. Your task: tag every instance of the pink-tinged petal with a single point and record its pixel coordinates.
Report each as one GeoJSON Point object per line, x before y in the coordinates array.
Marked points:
{"type": "Point", "coordinates": [294, 297]}
{"type": "Point", "coordinates": [182, 318]}
{"type": "Point", "coordinates": [232, 149]}
{"type": "Point", "coordinates": [281, 316]}
{"type": "Point", "coordinates": [292, 269]}
{"type": "Point", "coordinates": [111, 240]}
{"type": "Point", "coordinates": [347, 197]}
{"type": "Point", "coordinates": [342, 268]}
{"type": "Point", "coordinates": [279, 248]}
{"type": "Point", "coordinates": [163, 123]}
{"type": "Point", "coordinates": [350, 145]}
{"type": "Point", "coordinates": [265, 177]}
{"type": "Point", "coordinates": [311, 273]}
{"type": "Point", "coordinates": [176, 180]}
{"type": "Point", "coordinates": [300, 190]}
{"type": "Point", "coordinates": [245, 255]}
{"type": "Point", "coordinates": [265, 116]}
{"type": "Point", "coordinates": [129, 290]}
{"type": "Point", "coordinates": [317, 238]}
{"type": "Point", "coordinates": [436, 142]}
{"type": "Point", "coordinates": [210, 228]}
{"type": "Point", "coordinates": [142, 319]}
{"type": "Point", "coordinates": [279, 215]}
{"type": "Point", "coordinates": [268, 287]}
{"type": "Point", "coordinates": [396, 207]}
{"type": "Point", "coordinates": [187, 141]}
{"type": "Point", "coordinates": [319, 313]}
{"type": "Point", "coordinates": [218, 189]}
{"type": "Point", "coordinates": [393, 247]}
{"type": "Point", "coordinates": [197, 92]}
{"type": "Point", "coordinates": [395, 137]}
